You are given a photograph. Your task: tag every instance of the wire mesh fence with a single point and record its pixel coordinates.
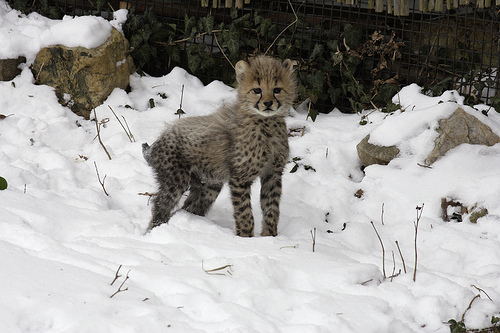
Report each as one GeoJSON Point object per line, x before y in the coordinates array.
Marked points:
{"type": "Point", "coordinates": [440, 45]}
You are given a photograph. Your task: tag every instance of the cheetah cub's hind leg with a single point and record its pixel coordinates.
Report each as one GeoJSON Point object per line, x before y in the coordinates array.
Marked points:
{"type": "Point", "coordinates": [172, 178]}
{"type": "Point", "coordinates": [201, 196]}
{"type": "Point", "coordinates": [168, 195]}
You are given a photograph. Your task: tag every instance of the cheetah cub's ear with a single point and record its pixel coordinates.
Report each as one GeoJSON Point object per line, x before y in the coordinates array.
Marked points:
{"type": "Point", "coordinates": [288, 64]}
{"type": "Point", "coordinates": [240, 68]}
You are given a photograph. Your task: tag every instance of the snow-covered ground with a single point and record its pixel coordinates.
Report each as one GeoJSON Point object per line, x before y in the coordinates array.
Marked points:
{"type": "Point", "coordinates": [62, 239]}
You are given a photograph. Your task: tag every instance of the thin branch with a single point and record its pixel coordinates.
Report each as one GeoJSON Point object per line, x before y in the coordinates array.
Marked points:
{"type": "Point", "coordinates": [313, 235]}
{"type": "Point", "coordinates": [39, 71]}
{"type": "Point", "coordinates": [484, 292]}
{"type": "Point", "coordinates": [296, 246]}
{"type": "Point", "coordinates": [150, 195]}
{"type": "Point", "coordinates": [382, 215]}
{"type": "Point", "coordinates": [98, 128]}
{"type": "Point", "coordinates": [282, 31]}
{"type": "Point", "coordinates": [128, 128]}
{"type": "Point", "coordinates": [223, 53]}
{"type": "Point", "coordinates": [470, 305]}
{"type": "Point", "coordinates": [99, 178]}
{"type": "Point", "coordinates": [215, 271]}
{"type": "Point", "coordinates": [383, 249]}
{"type": "Point", "coordinates": [401, 255]}
{"type": "Point", "coordinates": [189, 38]}
{"type": "Point", "coordinates": [120, 287]}
{"type": "Point", "coordinates": [129, 134]}
{"type": "Point", "coordinates": [117, 275]}
{"type": "Point", "coordinates": [180, 111]}
{"type": "Point", "coordinates": [419, 215]}
{"type": "Point", "coordinates": [393, 265]}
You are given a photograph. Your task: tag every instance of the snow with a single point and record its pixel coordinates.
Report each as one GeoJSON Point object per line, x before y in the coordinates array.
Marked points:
{"type": "Point", "coordinates": [22, 35]}
{"type": "Point", "coordinates": [62, 239]}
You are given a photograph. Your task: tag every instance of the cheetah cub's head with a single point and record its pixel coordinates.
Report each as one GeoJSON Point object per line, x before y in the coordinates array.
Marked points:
{"type": "Point", "coordinates": [266, 86]}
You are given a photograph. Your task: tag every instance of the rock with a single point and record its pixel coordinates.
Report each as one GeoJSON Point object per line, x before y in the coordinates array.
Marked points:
{"type": "Point", "coordinates": [459, 128]}
{"type": "Point", "coordinates": [83, 78]}
{"type": "Point", "coordinates": [9, 69]}
{"type": "Point", "coordinates": [372, 154]}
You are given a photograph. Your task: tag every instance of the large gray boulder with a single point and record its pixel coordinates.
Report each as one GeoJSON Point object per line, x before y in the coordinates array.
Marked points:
{"type": "Point", "coordinates": [83, 78]}
{"type": "Point", "coordinates": [459, 128]}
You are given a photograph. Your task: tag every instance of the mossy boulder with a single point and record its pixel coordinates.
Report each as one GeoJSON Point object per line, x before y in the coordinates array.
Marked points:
{"type": "Point", "coordinates": [83, 78]}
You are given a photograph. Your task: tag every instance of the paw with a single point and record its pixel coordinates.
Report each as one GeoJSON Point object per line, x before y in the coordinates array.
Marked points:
{"type": "Point", "coordinates": [269, 232]}
{"type": "Point", "coordinates": [244, 233]}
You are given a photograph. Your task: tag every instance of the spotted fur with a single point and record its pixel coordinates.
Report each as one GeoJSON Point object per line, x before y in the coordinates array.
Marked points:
{"type": "Point", "coordinates": [236, 144]}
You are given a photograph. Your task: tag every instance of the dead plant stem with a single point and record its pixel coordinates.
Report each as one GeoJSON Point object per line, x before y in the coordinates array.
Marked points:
{"type": "Point", "coordinates": [383, 249]}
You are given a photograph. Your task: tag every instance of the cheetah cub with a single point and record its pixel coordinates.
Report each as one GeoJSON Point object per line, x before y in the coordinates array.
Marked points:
{"type": "Point", "coordinates": [235, 144]}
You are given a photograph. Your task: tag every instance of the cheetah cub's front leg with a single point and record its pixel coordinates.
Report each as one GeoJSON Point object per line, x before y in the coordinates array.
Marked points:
{"type": "Point", "coordinates": [243, 217]}
{"type": "Point", "coordinates": [270, 195]}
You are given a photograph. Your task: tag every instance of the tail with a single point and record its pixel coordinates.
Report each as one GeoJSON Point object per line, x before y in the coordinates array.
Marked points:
{"type": "Point", "coordinates": [146, 151]}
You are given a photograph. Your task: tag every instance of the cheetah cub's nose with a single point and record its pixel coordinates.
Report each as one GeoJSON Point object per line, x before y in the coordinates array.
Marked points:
{"type": "Point", "coordinates": [268, 103]}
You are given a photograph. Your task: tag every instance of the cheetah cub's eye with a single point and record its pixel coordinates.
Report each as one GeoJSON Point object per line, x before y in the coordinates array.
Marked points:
{"type": "Point", "coordinates": [277, 90]}
{"type": "Point", "coordinates": [258, 91]}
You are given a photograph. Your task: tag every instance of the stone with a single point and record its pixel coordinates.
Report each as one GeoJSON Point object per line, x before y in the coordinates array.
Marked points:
{"type": "Point", "coordinates": [372, 154]}
{"type": "Point", "coordinates": [9, 68]}
{"type": "Point", "coordinates": [83, 78]}
{"type": "Point", "coordinates": [459, 128]}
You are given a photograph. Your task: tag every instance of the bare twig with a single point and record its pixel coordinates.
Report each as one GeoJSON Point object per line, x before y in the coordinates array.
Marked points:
{"type": "Point", "coordinates": [127, 130]}
{"type": "Point", "coordinates": [223, 53]}
{"type": "Point", "coordinates": [98, 128]}
{"type": "Point", "coordinates": [180, 111]}
{"type": "Point", "coordinates": [117, 275]}
{"type": "Point", "coordinates": [383, 249]}
{"type": "Point", "coordinates": [313, 235]}
{"type": "Point", "coordinates": [290, 247]}
{"type": "Point", "coordinates": [308, 110]}
{"type": "Point", "coordinates": [382, 215]}
{"type": "Point", "coordinates": [424, 166]}
{"type": "Point", "coordinates": [484, 292]}
{"type": "Point", "coordinates": [470, 305]}
{"type": "Point", "coordinates": [419, 215]}
{"type": "Point", "coordinates": [393, 265]}
{"type": "Point", "coordinates": [120, 287]}
{"type": "Point", "coordinates": [150, 195]}
{"type": "Point", "coordinates": [188, 38]}
{"type": "Point", "coordinates": [40, 71]}
{"type": "Point", "coordinates": [282, 31]}
{"type": "Point", "coordinates": [215, 271]}
{"type": "Point", "coordinates": [99, 178]}
{"type": "Point", "coordinates": [395, 275]}
{"type": "Point", "coordinates": [401, 255]}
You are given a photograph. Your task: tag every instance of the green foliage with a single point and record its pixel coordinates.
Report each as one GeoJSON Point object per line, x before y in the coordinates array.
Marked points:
{"type": "Point", "coordinates": [41, 6]}
{"type": "Point", "coordinates": [457, 326]}
{"type": "Point", "coordinates": [150, 39]}
{"type": "Point", "coordinates": [3, 184]}
{"type": "Point", "coordinates": [297, 164]}
{"type": "Point", "coordinates": [348, 65]}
